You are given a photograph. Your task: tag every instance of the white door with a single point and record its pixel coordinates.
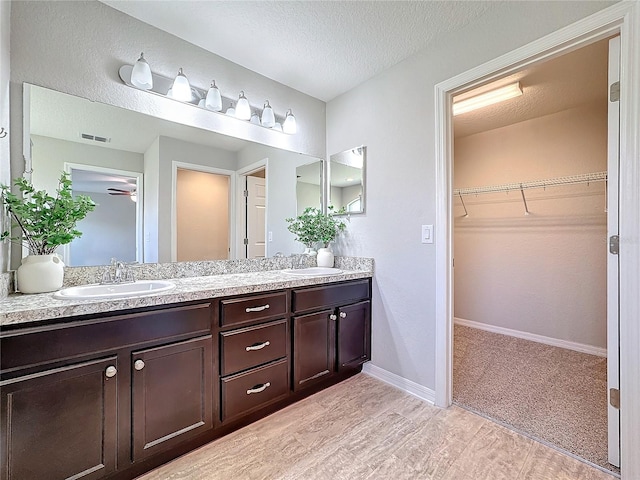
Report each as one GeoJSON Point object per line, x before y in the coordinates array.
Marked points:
{"type": "Point", "coordinates": [256, 217]}
{"type": "Point", "coordinates": [613, 298]}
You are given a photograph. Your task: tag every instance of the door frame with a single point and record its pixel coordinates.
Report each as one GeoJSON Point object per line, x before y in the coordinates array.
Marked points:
{"type": "Point", "coordinates": [624, 19]}
{"type": "Point", "coordinates": [232, 203]}
{"type": "Point", "coordinates": [241, 215]}
{"type": "Point", "coordinates": [139, 176]}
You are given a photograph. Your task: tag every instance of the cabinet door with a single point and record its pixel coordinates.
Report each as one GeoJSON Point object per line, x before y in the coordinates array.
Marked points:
{"type": "Point", "coordinates": [172, 394]}
{"type": "Point", "coordinates": [313, 347]}
{"type": "Point", "coordinates": [354, 335]}
{"type": "Point", "coordinates": [60, 423]}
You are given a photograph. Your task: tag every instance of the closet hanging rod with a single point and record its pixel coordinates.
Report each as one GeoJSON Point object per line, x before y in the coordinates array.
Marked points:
{"type": "Point", "coordinates": [508, 187]}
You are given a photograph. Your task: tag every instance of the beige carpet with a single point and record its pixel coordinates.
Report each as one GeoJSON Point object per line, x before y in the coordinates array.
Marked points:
{"type": "Point", "coordinates": [550, 393]}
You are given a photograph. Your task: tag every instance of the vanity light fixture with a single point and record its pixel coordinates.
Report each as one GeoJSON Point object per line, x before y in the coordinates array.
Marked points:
{"type": "Point", "coordinates": [243, 109]}
{"type": "Point", "coordinates": [289, 126]}
{"type": "Point", "coordinates": [181, 89]}
{"type": "Point", "coordinates": [141, 74]}
{"type": "Point", "coordinates": [213, 99]}
{"type": "Point", "coordinates": [141, 77]}
{"type": "Point", "coordinates": [468, 103]}
{"type": "Point", "coordinates": [268, 118]}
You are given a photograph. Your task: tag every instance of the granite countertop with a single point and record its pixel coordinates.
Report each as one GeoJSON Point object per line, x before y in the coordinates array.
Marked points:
{"type": "Point", "coordinates": [24, 309]}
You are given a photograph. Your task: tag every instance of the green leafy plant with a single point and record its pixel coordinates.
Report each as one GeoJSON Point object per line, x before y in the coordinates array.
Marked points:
{"type": "Point", "coordinates": [45, 222]}
{"type": "Point", "coordinates": [313, 226]}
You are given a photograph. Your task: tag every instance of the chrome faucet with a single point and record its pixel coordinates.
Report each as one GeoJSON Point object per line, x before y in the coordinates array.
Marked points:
{"type": "Point", "coordinates": [121, 273]}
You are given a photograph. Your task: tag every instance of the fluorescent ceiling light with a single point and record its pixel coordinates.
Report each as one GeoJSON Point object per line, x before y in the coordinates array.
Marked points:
{"type": "Point", "coordinates": [487, 98]}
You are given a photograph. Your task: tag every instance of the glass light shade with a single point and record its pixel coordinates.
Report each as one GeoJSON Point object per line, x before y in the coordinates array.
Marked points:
{"type": "Point", "coordinates": [181, 89]}
{"type": "Point", "coordinates": [134, 197]}
{"type": "Point", "coordinates": [243, 109]}
{"type": "Point", "coordinates": [255, 118]}
{"type": "Point", "coordinates": [289, 126]}
{"type": "Point", "coordinates": [231, 111]}
{"type": "Point", "coordinates": [203, 102]}
{"type": "Point", "coordinates": [141, 74]}
{"type": "Point", "coordinates": [214, 99]}
{"type": "Point", "coordinates": [268, 118]}
{"type": "Point", "coordinates": [277, 127]}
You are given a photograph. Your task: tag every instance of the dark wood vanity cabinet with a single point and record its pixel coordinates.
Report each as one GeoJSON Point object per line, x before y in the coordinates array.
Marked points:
{"type": "Point", "coordinates": [115, 395]}
{"type": "Point", "coordinates": [76, 404]}
{"type": "Point", "coordinates": [172, 394]}
{"type": "Point", "coordinates": [335, 336]}
{"type": "Point", "coordinates": [61, 422]}
{"type": "Point", "coordinates": [254, 359]}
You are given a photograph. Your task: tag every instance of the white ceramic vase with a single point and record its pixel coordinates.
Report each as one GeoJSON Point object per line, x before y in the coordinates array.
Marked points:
{"type": "Point", "coordinates": [40, 274]}
{"type": "Point", "coordinates": [325, 257]}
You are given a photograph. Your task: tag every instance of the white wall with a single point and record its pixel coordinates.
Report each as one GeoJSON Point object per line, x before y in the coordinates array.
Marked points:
{"type": "Point", "coordinates": [5, 176]}
{"type": "Point", "coordinates": [50, 155]}
{"type": "Point", "coordinates": [401, 172]}
{"type": "Point", "coordinates": [544, 273]}
{"type": "Point", "coordinates": [151, 201]}
{"type": "Point", "coordinates": [107, 232]}
{"type": "Point", "coordinates": [307, 195]}
{"type": "Point", "coordinates": [77, 48]}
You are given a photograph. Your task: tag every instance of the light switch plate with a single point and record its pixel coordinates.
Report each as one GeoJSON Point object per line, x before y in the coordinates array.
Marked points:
{"type": "Point", "coordinates": [270, 237]}
{"type": "Point", "coordinates": [427, 233]}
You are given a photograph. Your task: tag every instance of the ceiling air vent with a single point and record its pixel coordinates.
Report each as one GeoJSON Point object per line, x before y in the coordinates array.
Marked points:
{"type": "Point", "coordinates": [95, 138]}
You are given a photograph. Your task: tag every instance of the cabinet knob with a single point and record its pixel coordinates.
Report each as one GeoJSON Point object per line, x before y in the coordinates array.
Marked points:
{"type": "Point", "coordinates": [333, 317]}
{"type": "Point", "coordinates": [138, 365]}
{"type": "Point", "coordinates": [343, 315]}
{"type": "Point", "coordinates": [111, 371]}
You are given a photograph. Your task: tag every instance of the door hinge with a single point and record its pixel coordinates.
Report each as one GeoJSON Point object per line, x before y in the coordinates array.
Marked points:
{"type": "Point", "coordinates": [614, 398]}
{"type": "Point", "coordinates": [614, 244]}
{"type": "Point", "coordinates": [246, 241]}
{"type": "Point", "coordinates": [614, 92]}
{"type": "Point", "coordinates": [245, 193]}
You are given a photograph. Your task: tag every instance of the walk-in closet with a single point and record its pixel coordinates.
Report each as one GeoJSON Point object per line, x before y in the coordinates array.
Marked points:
{"type": "Point", "coordinates": [531, 211]}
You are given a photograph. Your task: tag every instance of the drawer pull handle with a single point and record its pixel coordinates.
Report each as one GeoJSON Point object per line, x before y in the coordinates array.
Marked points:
{"type": "Point", "coordinates": [257, 346]}
{"type": "Point", "coordinates": [258, 389]}
{"type": "Point", "coordinates": [333, 317]}
{"type": "Point", "coordinates": [111, 371]}
{"type": "Point", "coordinates": [343, 315]}
{"type": "Point", "coordinates": [256, 309]}
{"type": "Point", "coordinates": [138, 365]}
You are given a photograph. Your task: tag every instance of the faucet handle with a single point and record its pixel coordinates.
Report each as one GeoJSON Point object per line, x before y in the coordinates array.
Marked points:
{"type": "Point", "coordinates": [106, 276]}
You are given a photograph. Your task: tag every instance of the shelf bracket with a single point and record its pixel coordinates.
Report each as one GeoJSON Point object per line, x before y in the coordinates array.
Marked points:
{"type": "Point", "coordinates": [524, 200]}
{"type": "Point", "coordinates": [466, 214]}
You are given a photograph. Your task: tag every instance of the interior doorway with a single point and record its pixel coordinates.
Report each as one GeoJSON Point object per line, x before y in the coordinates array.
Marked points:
{"type": "Point", "coordinates": [202, 214]}
{"type": "Point", "coordinates": [118, 216]}
{"type": "Point", "coordinates": [530, 310]}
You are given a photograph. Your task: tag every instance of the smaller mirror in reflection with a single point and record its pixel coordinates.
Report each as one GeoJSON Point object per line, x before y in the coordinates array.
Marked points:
{"type": "Point", "coordinates": [347, 174]}
{"type": "Point", "coordinates": [309, 186]}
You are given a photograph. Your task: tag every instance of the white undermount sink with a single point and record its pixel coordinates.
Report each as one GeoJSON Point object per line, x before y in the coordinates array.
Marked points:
{"type": "Point", "coordinates": [313, 271]}
{"type": "Point", "coordinates": [115, 290]}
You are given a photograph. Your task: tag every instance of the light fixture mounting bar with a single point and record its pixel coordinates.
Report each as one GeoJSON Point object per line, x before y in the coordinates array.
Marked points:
{"type": "Point", "coordinates": [161, 86]}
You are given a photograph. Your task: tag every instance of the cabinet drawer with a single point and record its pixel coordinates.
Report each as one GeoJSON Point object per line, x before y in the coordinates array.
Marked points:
{"type": "Point", "coordinates": [39, 345]}
{"type": "Point", "coordinates": [330, 295]}
{"type": "Point", "coordinates": [256, 388]}
{"type": "Point", "coordinates": [248, 347]}
{"type": "Point", "coordinates": [249, 309]}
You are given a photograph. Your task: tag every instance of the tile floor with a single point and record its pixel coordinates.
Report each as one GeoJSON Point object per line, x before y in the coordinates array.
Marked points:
{"type": "Point", "coordinates": [366, 429]}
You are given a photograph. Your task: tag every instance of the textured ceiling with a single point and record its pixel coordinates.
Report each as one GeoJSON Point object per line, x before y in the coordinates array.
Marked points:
{"type": "Point", "coordinates": [321, 48]}
{"type": "Point", "coordinates": [571, 80]}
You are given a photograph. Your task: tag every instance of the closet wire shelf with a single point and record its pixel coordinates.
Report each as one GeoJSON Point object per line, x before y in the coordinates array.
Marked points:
{"type": "Point", "coordinates": [509, 187]}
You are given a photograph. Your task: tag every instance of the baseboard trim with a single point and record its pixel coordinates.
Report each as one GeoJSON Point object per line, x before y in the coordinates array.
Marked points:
{"type": "Point", "coordinates": [554, 342]}
{"type": "Point", "coordinates": [402, 383]}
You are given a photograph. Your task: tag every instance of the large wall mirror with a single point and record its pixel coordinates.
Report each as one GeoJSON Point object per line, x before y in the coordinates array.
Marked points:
{"type": "Point", "coordinates": [165, 191]}
{"type": "Point", "coordinates": [347, 180]}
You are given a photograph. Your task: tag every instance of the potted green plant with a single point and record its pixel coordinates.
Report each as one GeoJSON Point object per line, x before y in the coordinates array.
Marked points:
{"type": "Point", "coordinates": [314, 227]}
{"type": "Point", "coordinates": [45, 223]}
